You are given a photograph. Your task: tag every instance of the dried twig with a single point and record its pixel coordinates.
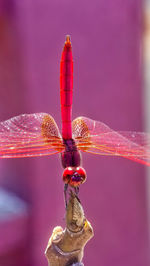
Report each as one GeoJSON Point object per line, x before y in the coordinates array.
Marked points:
{"type": "Point", "coordinates": [66, 247]}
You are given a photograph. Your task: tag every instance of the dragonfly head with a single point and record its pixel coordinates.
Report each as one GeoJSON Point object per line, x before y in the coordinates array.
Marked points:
{"type": "Point", "coordinates": [74, 176]}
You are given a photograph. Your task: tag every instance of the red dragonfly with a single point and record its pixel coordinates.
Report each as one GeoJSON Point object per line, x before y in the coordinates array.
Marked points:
{"type": "Point", "coordinates": [37, 134]}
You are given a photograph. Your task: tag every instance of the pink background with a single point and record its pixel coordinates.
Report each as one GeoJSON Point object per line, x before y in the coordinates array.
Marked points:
{"type": "Point", "coordinates": [106, 38]}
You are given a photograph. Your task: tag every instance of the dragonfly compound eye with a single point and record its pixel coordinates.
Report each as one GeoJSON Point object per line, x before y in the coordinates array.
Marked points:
{"type": "Point", "coordinates": [67, 174]}
{"type": "Point", "coordinates": [81, 172]}
{"type": "Point", "coordinates": [74, 176]}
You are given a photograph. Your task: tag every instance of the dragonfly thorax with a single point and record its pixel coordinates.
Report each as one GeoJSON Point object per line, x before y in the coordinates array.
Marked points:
{"type": "Point", "coordinates": [71, 156]}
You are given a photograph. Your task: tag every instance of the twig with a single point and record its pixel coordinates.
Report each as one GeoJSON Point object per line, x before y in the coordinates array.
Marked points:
{"type": "Point", "coordinates": [66, 247]}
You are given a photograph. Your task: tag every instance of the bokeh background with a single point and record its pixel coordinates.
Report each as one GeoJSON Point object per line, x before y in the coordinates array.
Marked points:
{"type": "Point", "coordinates": [111, 79]}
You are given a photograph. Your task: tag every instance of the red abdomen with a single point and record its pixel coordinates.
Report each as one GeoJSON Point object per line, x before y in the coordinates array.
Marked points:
{"type": "Point", "coordinates": [66, 89]}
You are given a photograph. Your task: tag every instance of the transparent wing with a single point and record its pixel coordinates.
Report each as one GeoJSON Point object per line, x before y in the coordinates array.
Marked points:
{"type": "Point", "coordinates": [96, 137]}
{"type": "Point", "coordinates": [29, 135]}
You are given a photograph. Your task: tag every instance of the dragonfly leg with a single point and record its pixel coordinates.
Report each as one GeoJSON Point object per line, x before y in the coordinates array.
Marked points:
{"type": "Point", "coordinates": [65, 194]}
{"type": "Point", "coordinates": [76, 189]}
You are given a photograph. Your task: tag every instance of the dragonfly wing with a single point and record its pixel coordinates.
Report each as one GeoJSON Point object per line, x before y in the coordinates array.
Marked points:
{"type": "Point", "coordinates": [96, 137]}
{"type": "Point", "coordinates": [29, 135]}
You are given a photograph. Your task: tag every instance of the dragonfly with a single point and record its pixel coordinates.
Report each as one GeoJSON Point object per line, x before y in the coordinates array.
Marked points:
{"type": "Point", "coordinates": [29, 135]}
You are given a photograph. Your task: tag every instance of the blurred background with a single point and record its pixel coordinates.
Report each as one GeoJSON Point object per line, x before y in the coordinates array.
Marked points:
{"type": "Point", "coordinates": [111, 50]}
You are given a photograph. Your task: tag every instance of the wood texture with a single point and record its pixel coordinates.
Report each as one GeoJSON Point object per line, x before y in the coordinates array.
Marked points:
{"type": "Point", "coordinates": [66, 247]}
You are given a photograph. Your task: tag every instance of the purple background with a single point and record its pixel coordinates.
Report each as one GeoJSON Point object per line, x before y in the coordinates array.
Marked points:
{"type": "Point", "coordinates": [106, 38]}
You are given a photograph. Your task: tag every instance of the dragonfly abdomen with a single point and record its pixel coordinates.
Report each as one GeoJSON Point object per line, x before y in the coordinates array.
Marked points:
{"type": "Point", "coordinates": [66, 88]}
